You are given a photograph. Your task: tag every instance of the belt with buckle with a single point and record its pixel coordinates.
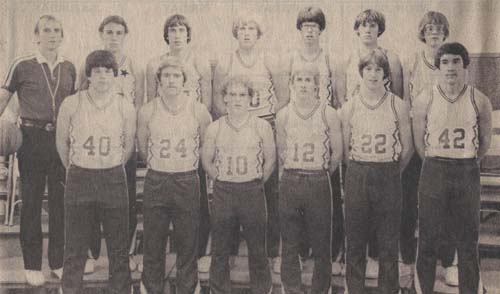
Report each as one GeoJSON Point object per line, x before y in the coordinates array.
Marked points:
{"type": "Point", "coordinates": [39, 124]}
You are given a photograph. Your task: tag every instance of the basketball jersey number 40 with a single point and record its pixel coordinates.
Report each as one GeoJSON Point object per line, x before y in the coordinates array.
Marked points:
{"type": "Point", "coordinates": [103, 145]}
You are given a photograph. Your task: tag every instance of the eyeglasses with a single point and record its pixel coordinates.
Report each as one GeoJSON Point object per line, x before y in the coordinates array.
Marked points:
{"type": "Point", "coordinates": [430, 28]}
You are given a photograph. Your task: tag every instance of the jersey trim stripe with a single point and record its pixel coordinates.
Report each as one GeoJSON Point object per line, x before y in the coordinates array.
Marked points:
{"type": "Point", "coordinates": [10, 73]}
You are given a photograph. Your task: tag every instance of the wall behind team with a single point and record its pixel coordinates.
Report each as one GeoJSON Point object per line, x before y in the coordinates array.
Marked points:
{"type": "Point", "coordinates": [473, 22]}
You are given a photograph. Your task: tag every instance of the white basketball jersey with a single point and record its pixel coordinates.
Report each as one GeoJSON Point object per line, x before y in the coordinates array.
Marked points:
{"type": "Point", "coordinates": [322, 62]}
{"type": "Point", "coordinates": [192, 86]}
{"type": "Point", "coordinates": [307, 139]}
{"type": "Point", "coordinates": [239, 155]}
{"type": "Point", "coordinates": [174, 140]}
{"type": "Point", "coordinates": [353, 77]}
{"type": "Point", "coordinates": [374, 130]}
{"type": "Point", "coordinates": [452, 129]}
{"type": "Point", "coordinates": [96, 133]}
{"type": "Point", "coordinates": [422, 74]}
{"type": "Point", "coordinates": [264, 98]}
{"type": "Point", "coordinates": [125, 81]}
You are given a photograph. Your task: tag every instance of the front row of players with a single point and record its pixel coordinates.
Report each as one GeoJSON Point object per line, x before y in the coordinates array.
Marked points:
{"type": "Point", "coordinates": [451, 125]}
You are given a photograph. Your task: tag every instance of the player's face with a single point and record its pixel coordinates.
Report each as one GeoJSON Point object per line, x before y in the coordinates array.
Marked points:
{"type": "Point", "coordinates": [247, 35]}
{"type": "Point", "coordinates": [237, 98]}
{"type": "Point", "coordinates": [310, 32]}
{"type": "Point", "coordinates": [101, 79]}
{"type": "Point", "coordinates": [304, 85]}
{"type": "Point", "coordinates": [451, 68]}
{"type": "Point", "coordinates": [177, 36]}
{"type": "Point", "coordinates": [113, 36]}
{"type": "Point", "coordinates": [171, 81]}
{"type": "Point", "coordinates": [373, 76]}
{"type": "Point", "coordinates": [434, 35]}
{"type": "Point", "coordinates": [368, 32]}
{"type": "Point", "coordinates": [49, 35]}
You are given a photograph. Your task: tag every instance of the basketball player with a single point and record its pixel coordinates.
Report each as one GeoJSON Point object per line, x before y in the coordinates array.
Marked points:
{"type": "Point", "coordinates": [309, 148]}
{"type": "Point", "coordinates": [170, 132]}
{"type": "Point", "coordinates": [177, 35]}
{"type": "Point", "coordinates": [311, 23]}
{"type": "Point", "coordinates": [377, 135]}
{"type": "Point", "coordinates": [259, 67]}
{"type": "Point", "coordinates": [113, 31]}
{"type": "Point", "coordinates": [452, 127]}
{"type": "Point", "coordinates": [239, 155]}
{"type": "Point", "coordinates": [368, 26]}
{"type": "Point", "coordinates": [42, 81]}
{"type": "Point", "coordinates": [95, 138]}
{"type": "Point", "coordinates": [421, 73]}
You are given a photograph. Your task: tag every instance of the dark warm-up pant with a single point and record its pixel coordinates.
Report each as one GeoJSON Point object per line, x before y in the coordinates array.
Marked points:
{"type": "Point", "coordinates": [245, 204]}
{"type": "Point", "coordinates": [39, 164]}
{"type": "Point", "coordinates": [96, 195]}
{"type": "Point", "coordinates": [130, 170]}
{"type": "Point", "coordinates": [171, 197]}
{"type": "Point", "coordinates": [305, 202]}
{"type": "Point", "coordinates": [372, 202]}
{"type": "Point", "coordinates": [449, 189]}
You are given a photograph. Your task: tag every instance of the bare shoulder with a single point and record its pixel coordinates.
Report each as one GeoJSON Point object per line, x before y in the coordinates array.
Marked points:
{"type": "Point", "coordinates": [482, 101]}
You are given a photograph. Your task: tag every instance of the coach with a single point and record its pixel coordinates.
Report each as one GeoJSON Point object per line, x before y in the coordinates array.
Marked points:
{"type": "Point", "coordinates": [42, 81]}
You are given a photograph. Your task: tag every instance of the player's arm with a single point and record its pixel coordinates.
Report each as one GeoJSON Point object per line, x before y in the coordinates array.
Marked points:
{"type": "Point", "coordinates": [203, 65]}
{"type": "Point", "coordinates": [335, 136]}
{"type": "Point", "coordinates": [82, 81]}
{"type": "Point", "coordinates": [151, 80]}
{"type": "Point", "coordinates": [403, 112]}
{"type": "Point", "coordinates": [129, 130]}
{"type": "Point", "coordinates": [339, 82]}
{"type": "Point", "coordinates": [208, 150]}
{"type": "Point", "coordinates": [204, 119]}
{"type": "Point", "coordinates": [269, 147]}
{"type": "Point", "coordinates": [406, 79]}
{"type": "Point", "coordinates": [344, 114]}
{"type": "Point", "coordinates": [5, 96]}
{"type": "Point", "coordinates": [419, 114]}
{"type": "Point", "coordinates": [283, 76]}
{"type": "Point", "coordinates": [143, 134]}
{"type": "Point", "coordinates": [280, 88]}
{"type": "Point", "coordinates": [10, 86]}
{"type": "Point", "coordinates": [68, 107]}
{"type": "Point", "coordinates": [138, 87]}
{"type": "Point", "coordinates": [220, 74]}
{"type": "Point", "coordinates": [485, 125]}
{"type": "Point", "coordinates": [396, 74]}
{"type": "Point", "coordinates": [281, 119]}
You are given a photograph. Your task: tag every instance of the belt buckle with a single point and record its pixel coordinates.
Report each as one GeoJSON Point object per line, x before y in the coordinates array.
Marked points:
{"type": "Point", "coordinates": [49, 127]}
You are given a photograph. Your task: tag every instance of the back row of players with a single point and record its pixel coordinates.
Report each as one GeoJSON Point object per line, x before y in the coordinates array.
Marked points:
{"type": "Point", "coordinates": [96, 129]}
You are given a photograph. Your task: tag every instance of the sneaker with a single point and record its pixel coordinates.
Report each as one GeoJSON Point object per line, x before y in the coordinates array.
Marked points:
{"type": "Point", "coordinates": [276, 262]}
{"type": "Point", "coordinates": [58, 272]}
{"type": "Point", "coordinates": [140, 267]}
{"type": "Point", "coordinates": [405, 270]}
{"type": "Point", "coordinates": [142, 289]}
{"type": "Point", "coordinates": [451, 278]}
{"type": "Point", "coordinates": [371, 268]}
{"type": "Point", "coordinates": [301, 263]}
{"type": "Point", "coordinates": [408, 290]}
{"type": "Point", "coordinates": [336, 268]}
{"type": "Point", "coordinates": [89, 266]}
{"type": "Point", "coordinates": [204, 264]}
{"type": "Point", "coordinates": [132, 265]}
{"type": "Point", "coordinates": [34, 278]}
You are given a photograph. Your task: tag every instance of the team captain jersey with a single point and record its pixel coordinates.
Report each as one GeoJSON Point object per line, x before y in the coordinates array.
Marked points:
{"type": "Point", "coordinates": [373, 142]}
{"type": "Point", "coordinates": [307, 139]}
{"type": "Point", "coordinates": [239, 154]}
{"type": "Point", "coordinates": [173, 149]}
{"type": "Point", "coordinates": [452, 125]}
{"type": "Point", "coordinates": [96, 133]}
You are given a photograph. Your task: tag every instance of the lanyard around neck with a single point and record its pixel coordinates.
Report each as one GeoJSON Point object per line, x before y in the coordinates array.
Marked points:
{"type": "Point", "coordinates": [52, 93]}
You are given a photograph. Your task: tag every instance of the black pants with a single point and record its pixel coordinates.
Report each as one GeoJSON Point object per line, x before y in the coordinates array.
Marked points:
{"type": "Point", "coordinates": [245, 204]}
{"type": "Point", "coordinates": [449, 189]}
{"type": "Point", "coordinates": [372, 202]}
{"type": "Point", "coordinates": [171, 197]}
{"type": "Point", "coordinates": [305, 202]}
{"type": "Point", "coordinates": [130, 171]}
{"type": "Point", "coordinates": [96, 196]}
{"type": "Point", "coordinates": [39, 164]}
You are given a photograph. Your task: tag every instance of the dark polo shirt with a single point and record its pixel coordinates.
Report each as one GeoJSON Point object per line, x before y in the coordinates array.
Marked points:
{"type": "Point", "coordinates": [26, 77]}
